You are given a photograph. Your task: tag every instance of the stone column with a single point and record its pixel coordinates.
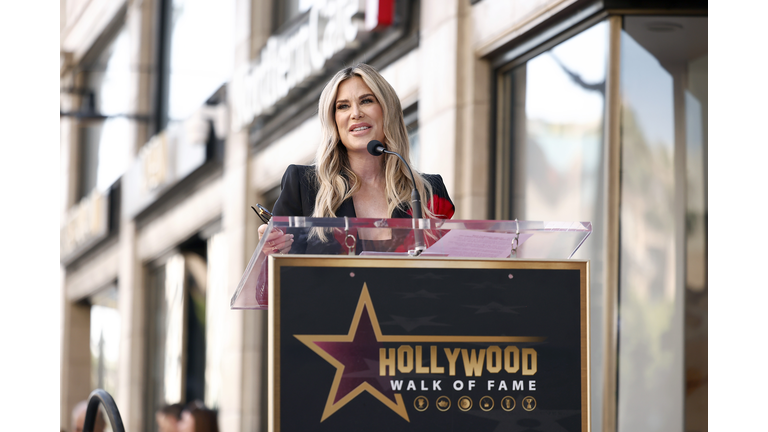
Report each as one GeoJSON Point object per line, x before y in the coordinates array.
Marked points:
{"type": "Point", "coordinates": [454, 105]}
{"type": "Point", "coordinates": [131, 304]}
{"type": "Point", "coordinates": [140, 22]}
{"type": "Point", "coordinates": [75, 357]}
{"type": "Point", "coordinates": [242, 403]}
{"type": "Point", "coordinates": [438, 89]}
{"type": "Point", "coordinates": [472, 189]}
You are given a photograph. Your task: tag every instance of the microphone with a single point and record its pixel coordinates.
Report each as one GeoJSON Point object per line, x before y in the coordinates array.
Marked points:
{"type": "Point", "coordinates": [376, 148]}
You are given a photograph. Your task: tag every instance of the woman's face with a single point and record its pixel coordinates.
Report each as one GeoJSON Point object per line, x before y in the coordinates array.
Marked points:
{"type": "Point", "coordinates": [359, 116]}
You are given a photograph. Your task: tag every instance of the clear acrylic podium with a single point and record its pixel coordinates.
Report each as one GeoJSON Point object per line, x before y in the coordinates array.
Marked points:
{"type": "Point", "coordinates": [400, 237]}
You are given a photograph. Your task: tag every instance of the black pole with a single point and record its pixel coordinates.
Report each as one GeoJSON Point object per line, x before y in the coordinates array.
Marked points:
{"type": "Point", "coordinates": [376, 148]}
{"type": "Point", "coordinates": [97, 397]}
{"type": "Point", "coordinates": [418, 235]}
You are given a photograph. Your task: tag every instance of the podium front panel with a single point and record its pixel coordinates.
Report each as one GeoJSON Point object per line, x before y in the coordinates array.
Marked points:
{"type": "Point", "coordinates": [415, 344]}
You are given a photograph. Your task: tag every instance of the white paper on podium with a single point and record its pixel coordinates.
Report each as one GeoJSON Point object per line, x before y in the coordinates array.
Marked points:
{"type": "Point", "coordinates": [475, 244]}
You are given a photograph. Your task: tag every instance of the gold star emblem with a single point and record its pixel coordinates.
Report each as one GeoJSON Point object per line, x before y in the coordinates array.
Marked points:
{"type": "Point", "coordinates": [343, 352]}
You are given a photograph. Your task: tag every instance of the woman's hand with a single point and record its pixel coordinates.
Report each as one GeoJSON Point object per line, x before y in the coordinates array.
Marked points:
{"type": "Point", "coordinates": [277, 241]}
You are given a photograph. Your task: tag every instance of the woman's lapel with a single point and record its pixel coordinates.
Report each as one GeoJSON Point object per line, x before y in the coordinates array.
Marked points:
{"type": "Point", "coordinates": [399, 213]}
{"type": "Point", "coordinates": [347, 208]}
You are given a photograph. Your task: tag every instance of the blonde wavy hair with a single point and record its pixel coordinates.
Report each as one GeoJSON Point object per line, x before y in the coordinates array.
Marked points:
{"type": "Point", "coordinates": [336, 180]}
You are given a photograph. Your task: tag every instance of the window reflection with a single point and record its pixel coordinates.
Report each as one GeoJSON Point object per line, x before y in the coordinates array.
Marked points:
{"type": "Point", "coordinates": [201, 53]}
{"type": "Point", "coordinates": [104, 339]}
{"type": "Point", "coordinates": [411, 119]}
{"type": "Point", "coordinates": [181, 366]}
{"type": "Point", "coordinates": [106, 144]}
{"type": "Point", "coordinates": [663, 71]}
{"type": "Point", "coordinates": [174, 329]}
{"type": "Point", "coordinates": [558, 157]}
{"type": "Point", "coordinates": [556, 105]}
{"type": "Point", "coordinates": [647, 268]}
{"type": "Point", "coordinates": [217, 297]}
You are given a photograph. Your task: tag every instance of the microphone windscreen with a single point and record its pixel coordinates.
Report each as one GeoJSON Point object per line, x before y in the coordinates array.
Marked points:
{"type": "Point", "coordinates": [376, 148]}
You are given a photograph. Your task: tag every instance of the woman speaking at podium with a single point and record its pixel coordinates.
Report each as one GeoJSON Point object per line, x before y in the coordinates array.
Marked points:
{"type": "Point", "coordinates": [356, 107]}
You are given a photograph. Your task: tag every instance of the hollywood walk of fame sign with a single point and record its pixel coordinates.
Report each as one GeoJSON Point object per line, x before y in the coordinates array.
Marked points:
{"type": "Point", "coordinates": [371, 344]}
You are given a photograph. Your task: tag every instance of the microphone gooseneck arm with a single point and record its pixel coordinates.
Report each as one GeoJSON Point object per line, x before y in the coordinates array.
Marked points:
{"type": "Point", "coordinates": [415, 198]}
{"type": "Point", "coordinates": [376, 148]}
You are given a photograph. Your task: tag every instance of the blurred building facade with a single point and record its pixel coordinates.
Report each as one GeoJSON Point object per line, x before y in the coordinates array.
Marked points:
{"type": "Point", "coordinates": [178, 115]}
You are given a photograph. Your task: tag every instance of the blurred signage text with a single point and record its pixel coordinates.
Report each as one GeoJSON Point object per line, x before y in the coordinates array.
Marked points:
{"type": "Point", "coordinates": [330, 29]}
{"type": "Point", "coordinates": [171, 155]}
{"type": "Point", "coordinates": [86, 223]}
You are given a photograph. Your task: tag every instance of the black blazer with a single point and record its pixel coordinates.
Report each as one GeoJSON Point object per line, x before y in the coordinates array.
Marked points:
{"type": "Point", "coordinates": [297, 198]}
{"type": "Point", "coordinates": [300, 190]}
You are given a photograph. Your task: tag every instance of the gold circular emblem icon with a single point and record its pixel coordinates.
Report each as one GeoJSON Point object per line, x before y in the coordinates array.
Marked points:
{"type": "Point", "coordinates": [508, 403]}
{"type": "Point", "coordinates": [443, 403]}
{"type": "Point", "coordinates": [529, 403]}
{"type": "Point", "coordinates": [420, 403]}
{"type": "Point", "coordinates": [486, 403]}
{"type": "Point", "coordinates": [465, 403]}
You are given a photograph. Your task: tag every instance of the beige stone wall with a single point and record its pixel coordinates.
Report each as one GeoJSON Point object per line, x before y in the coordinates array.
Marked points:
{"type": "Point", "coordinates": [438, 89]}
{"type": "Point", "coordinates": [454, 105]}
{"type": "Point", "coordinates": [85, 21]}
{"type": "Point", "coordinates": [497, 22]}
{"type": "Point", "coordinates": [474, 121]}
{"type": "Point", "coordinates": [75, 358]}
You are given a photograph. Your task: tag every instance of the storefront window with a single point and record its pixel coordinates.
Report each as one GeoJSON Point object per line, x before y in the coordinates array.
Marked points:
{"type": "Point", "coordinates": [105, 339]}
{"type": "Point", "coordinates": [165, 344]}
{"type": "Point", "coordinates": [175, 303]}
{"type": "Point", "coordinates": [411, 118]}
{"type": "Point", "coordinates": [663, 117]}
{"type": "Point", "coordinates": [177, 341]}
{"type": "Point", "coordinates": [552, 165]}
{"type": "Point", "coordinates": [105, 145]}
{"type": "Point", "coordinates": [217, 296]}
{"type": "Point", "coordinates": [201, 53]}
